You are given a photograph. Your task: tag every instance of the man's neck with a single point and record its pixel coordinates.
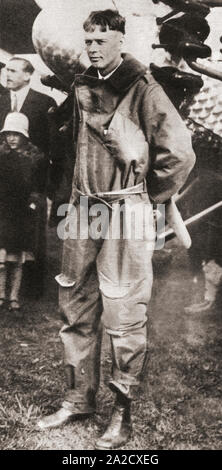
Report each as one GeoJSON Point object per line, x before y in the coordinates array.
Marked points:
{"type": "Point", "coordinates": [107, 75]}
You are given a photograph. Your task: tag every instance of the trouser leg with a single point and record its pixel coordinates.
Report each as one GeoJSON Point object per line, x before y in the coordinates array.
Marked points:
{"type": "Point", "coordinates": [81, 334]}
{"type": "Point", "coordinates": [125, 275]}
{"type": "Point", "coordinates": [2, 280]}
{"type": "Point", "coordinates": [128, 336]}
{"type": "Point", "coordinates": [15, 281]}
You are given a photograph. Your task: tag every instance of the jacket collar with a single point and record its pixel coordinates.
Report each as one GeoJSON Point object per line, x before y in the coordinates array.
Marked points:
{"type": "Point", "coordinates": [129, 71]}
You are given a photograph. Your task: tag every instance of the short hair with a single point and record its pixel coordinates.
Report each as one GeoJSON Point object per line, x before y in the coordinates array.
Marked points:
{"type": "Point", "coordinates": [105, 18]}
{"type": "Point", "coordinates": [27, 66]}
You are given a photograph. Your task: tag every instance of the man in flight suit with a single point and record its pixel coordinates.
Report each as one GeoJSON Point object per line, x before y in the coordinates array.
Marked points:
{"type": "Point", "coordinates": [132, 148]}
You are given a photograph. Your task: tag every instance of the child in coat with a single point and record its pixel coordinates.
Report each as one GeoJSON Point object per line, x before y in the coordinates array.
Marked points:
{"type": "Point", "coordinates": [20, 194]}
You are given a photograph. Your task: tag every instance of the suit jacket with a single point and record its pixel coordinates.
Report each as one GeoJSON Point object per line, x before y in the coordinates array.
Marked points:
{"type": "Point", "coordinates": [35, 107]}
{"type": "Point", "coordinates": [2, 89]}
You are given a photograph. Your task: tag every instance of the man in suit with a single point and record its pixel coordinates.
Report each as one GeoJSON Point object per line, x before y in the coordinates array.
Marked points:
{"type": "Point", "coordinates": [22, 98]}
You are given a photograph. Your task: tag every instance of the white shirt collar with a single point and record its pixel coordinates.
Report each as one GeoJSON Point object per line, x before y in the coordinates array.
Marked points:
{"type": "Point", "coordinates": [109, 74]}
{"type": "Point", "coordinates": [20, 95]}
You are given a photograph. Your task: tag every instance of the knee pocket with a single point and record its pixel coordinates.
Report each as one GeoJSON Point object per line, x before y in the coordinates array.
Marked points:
{"type": "Point", "coordinates": [111, 289]}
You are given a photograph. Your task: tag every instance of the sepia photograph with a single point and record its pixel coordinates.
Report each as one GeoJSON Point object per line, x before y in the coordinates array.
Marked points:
{"type": "Point", "coordinates": [110, 229]}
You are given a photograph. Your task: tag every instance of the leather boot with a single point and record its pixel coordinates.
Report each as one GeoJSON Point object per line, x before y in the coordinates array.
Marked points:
{"type": "Point", "coordinates": [212, 277]}
{"type": "Point", "coordinates": [118, 432]}
{"type": "Point", "coordinates": [65, 414]}
{"type": "Point", "coordinates": [59, 418]}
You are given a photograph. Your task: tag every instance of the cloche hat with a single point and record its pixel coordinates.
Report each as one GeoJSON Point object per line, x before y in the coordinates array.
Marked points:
{"type": "Point", "coordinates": [16, 122]}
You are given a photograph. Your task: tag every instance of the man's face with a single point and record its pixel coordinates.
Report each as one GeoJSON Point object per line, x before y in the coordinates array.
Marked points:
{"type": "Point", "coordinates": [104, 49]}
{"type": "Point", "coordinates": [16, 76]}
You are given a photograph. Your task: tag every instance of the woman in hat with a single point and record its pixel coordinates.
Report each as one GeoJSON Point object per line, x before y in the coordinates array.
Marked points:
{"type": "Point", "coordinates": [20, 194]}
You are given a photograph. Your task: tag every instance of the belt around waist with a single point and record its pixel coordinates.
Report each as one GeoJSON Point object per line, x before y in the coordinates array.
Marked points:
{"type": "Point", "coordinates": [114, 196]}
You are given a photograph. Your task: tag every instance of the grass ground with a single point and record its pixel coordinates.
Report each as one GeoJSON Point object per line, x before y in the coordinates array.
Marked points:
{"type": "Point", "coordinates": [180, 404]}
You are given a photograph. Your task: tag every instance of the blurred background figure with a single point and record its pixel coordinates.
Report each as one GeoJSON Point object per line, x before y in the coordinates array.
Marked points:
{"type": "Point", "coordinates": [20, 97]}
{"type": "Point", "coordinates": [20, 198]}
{"type": "Point", "coordinates": [192, 42]}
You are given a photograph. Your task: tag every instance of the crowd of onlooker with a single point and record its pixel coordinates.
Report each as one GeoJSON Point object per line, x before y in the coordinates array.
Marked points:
{"type": "Point", "coordinates": [29, 141]}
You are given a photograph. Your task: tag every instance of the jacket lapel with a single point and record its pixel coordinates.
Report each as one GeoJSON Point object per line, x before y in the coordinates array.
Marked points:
{"type": "Point", "coordinates": [28, 103]}
{"type": "Point", "coordinates": [5, 107]}
{"type": "Point", "coordinates": [5, 102]}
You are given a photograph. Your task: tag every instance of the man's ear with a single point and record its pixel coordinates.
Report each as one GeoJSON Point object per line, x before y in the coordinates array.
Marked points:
{"type": "Point", "coordinates": [122, 41]}
{"type": "Point", "coordinates": [27, 77]}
